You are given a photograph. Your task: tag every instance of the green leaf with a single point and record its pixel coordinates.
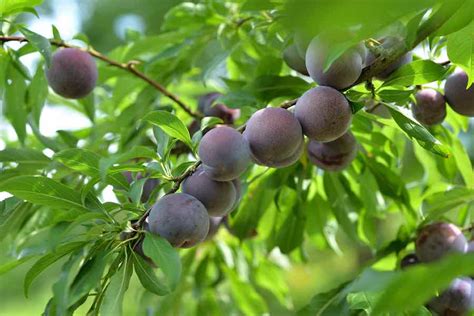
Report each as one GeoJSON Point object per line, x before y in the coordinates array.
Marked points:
{"type": "Point", "coordinates": [6, 267]}
{"type": "Point", "coordinates": [461, 50]}
{"type": "Point", "coordinates": [37, 93]}
{"type": "Point", "coordinates": [10, 6]}
{"type": "Point", "coordinates": [24, 156]}
{"type": "Point", "coordinates": [15, 101]}
{"type": "Point", "coordinates": [416, 73]}
{"type": "Point", "coordinates": [269, 87]}
{"type": "Point", "coordinates": [41, 43]}
{"type": "Point", "coordinates": [113, 298]}
{"type": "Point", "coordinates": [43, 191]}
{"type": "Point", "coordinates": [414, 129]}
{"type": "Point", "coordinates": [88, 277]}
{"type": "Point", "coordinates": [48, 260]}
{"type": "Point", "coordinates": [325, 304]}
{"type": "Point", "coordinates": [407, 290]}
{"type": "Point", "coordinates": [170, 124]}
{"type": "Point", "coordinates": [395, 95]}
{"type": "Point", "coordinates": [87, 162]}
{"type": "Point", "coordinates": [460, 19]}
{"type": "Point", "coordinates": [165, 257]}
{"type": "Point", "coordinates": [147, 277]}
{"type": "Point", "coordinates": [438, 203]}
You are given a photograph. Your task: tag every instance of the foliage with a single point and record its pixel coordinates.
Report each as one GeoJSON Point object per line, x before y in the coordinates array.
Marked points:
{"type": "Point", "coordinates": [355, 225]}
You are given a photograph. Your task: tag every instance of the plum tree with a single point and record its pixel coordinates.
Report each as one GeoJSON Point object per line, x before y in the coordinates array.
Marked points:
{"type": "Point", "coordinates": [430, 107]}
{"type": "Point", "coordinates": [207, 106]}
{"type": "Point", "coordinates": [224, 153]}
{"type": "Point", "coordinates": [456, 300]}
{"type": "Point", "coordinates": [324, 113]}
{"type": "Point", "coordinates": [275, 137]}
{"type": "Point", "coordinates": [293, 59]}
{"type": "Point", "coordinates": [409, 260]}
{"type": "Point", "coordinates": [343, 72]}
{"type": "Point", "coordinates": [388, 43]}
{"type": "Point", "coordinates": [219, 197]}
{"type": "Point", "coordinates": [335, 155]}
{"type": "Point", "coordinates": [148, 187]}
{"type": "Point", "coordinates": [438, 239]}
{"type": "Point", "coordinates": [458, 95]}
{"type": "Point", "coordinates": [72, 74]}
{"type": "Point", "coordinates": [180, 218]}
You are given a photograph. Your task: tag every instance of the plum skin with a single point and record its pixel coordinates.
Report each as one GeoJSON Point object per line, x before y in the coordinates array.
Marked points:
{"type": "Point", "coordinates": [458, 95]}
{"type": "Point", "coordinates": [437, 240]}
{"type": "Point", "coordinates": [72, 74]}
{"type": "Point", "coordinates": [207, 106]}
{"type": "Point", "coordinates": [409, 260]}
{"type": "Point", "coordinates": [324, 113]}
{"type": "Point", "coordinates": [342, 73]}
{"type": "Point", "coordinates": [275, 137]}
{"type": "Point", "coordinates": [457, 299]}
{"type": "Point", "coordinates": [335, 155]}
{"type": "Point", "coordinates": [179, 218]}
{"type": "Point", "coordinates": [218, 197]}
{"type": "Point", "coordinates": [293, 59]}
{"type": "Point", "coordinates": [224, 153]}
{"type": "Point", "coordinates": [430, 107]}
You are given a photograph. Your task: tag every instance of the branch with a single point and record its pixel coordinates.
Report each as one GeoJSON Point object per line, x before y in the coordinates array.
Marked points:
{"type": "Point", "coordinates": [129, 67]}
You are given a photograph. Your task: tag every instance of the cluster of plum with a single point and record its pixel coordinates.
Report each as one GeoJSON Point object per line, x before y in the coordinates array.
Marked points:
{"type": "Point", "coordinates": [433, 243]}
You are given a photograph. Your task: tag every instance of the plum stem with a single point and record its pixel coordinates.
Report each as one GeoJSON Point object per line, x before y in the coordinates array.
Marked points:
{"type": "Point", "coordinates": [128, 66]}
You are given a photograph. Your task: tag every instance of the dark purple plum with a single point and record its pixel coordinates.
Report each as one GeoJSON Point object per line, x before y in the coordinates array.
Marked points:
{"type": "Point", "coordinates": [275, 137]}
{"type": "Point", "coordinates": [214, 225]}
{"type": "Point", "coordinates": [208, 107]}
{"type": "Point", "coordinates": [293, 59]}
{"type": "Point", "coordinates": [342, 73]}
{"type": "Point", "coordinates": [148, 187]}
{"type": "Point", "coordinates": [430, 107]}
{"type": "Point", "coordinates": [458, 95]}
{"type": "Point", "coordinates": [437, 240]}
{"type": "Point", "coordinates": [324, 113]}
{"type": "Point", "coordinates": [456, 300]}
{"type": "Point", "coordinates": [72, 74]}
{"type": "Point", "coordinates": [335, 155]}
{"type": "Point", "coordinates": [218, 197]}
{"type": "Point", "coordinates": [179, 218]}
{"type": "Point", "coordinates": [409, 260]}
{"type": "Point", "coordinates": [224, 153]}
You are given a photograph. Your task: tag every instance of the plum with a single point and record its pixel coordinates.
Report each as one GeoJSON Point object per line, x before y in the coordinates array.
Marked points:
{"type": "Point", "coordinates": [409, 260]}
{"type": "Point", "coordinates": [430, 107]}
{"type": "Point", "coordinates": [324, 113]}
{"type": "Point", "coordinates": [224, 153]}
{"type": "Point", "coordinates": [148, 187]}
{"type": "Point", "coordinates": [458, 95]}
{"type": "Point", "coordinates": [275, 137]}
{"type": "Point", "coordinates": [456, 300]}
{"type": "Point", "coordinates": [207, 106]}
{"type": "Point", "coordinates": [436, 240]}
{"type": "Point", "coordinates": [294, 60]}
{"type": "Point", "coordinates": [179, 218]}
{"type": "Point", "coordinates": [218, 197]}
{"type": "Point", "coordinates": [72, 74]}
{"type": "Point", "coordinates": [335, 155]}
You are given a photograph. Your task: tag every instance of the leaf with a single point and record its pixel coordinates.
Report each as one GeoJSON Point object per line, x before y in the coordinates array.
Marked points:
{"type": "Point", "coordinates": [43, 191]}
{"type": "Point", "coordinates": [88, 277]}
{"type": "Point", "coordinates": [414, 129]}
{"type": "Point", "coordinates": [24, 156]}
{"type": "Point", "coordinates": [438, 203]}
{"type": "Point", "coordinates": [407, 290]}
{"type": "Point", "coordinates": [460, 19]}
{"type": "Point", "coordinates": [41, 43]}
{"type": "Point", "coordinates": [14, 101]}
{"type": "Point", "coordinates": [327, 303]}
{"type": "Point", "coordinates": [269, 87]}
{"type": "Point", "coordinates": [48, 260]}
{"type": "Point", "coordinates": [113, 298]}
{"type": "Point", "coordinates": [87, 162]}
{"type": "Point", "coordinates": [170, 124]}
{"type": "Point", "coordinates": [394, 95]}
{"type": "Point", "coordinates": [10, 6]}
{"type": "Point", "coordinates": [8, 266]}
{"type": "Point", "coordinates": [37, 93]}
{"type": "Point", "coordinates": [147, 276]}
{"type": "Point", "coordinates": [461, 50]}
{"type": "Point", "coordinates": [165, 257]}
{"type": "Point", "coordinates": [417, 73]}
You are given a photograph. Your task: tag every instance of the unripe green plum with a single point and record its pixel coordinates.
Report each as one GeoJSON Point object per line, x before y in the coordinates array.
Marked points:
{"type": "Point", "coordinates": [72, 74]}
{"type": "Point", "coordinates": [335, 155]}
{"type": "Point", "coordinates": [294, 60]}
{"type": "Point", "coordinates": [224, 153]}
{"type": "Point", "coordinates": [324, 113]}
{"type": "Point", "coordinates": [217, 196]}
{"type": "Point", "coordinates": [436, 240]}
{"type": "Point", "coordinates": [430, 107]}
{"type": "Point", "coordinates": [342, 73]}
{"type": "Point", "coordinates": [179, 218]}
{"type": "Point", "coordinates": [459, 97]}
{"type": "Point", "coordinates": [275, 137]}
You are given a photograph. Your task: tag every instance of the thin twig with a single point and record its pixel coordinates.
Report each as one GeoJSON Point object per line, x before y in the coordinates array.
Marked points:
{"type": "Point", "coordinates": [129, 67]}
